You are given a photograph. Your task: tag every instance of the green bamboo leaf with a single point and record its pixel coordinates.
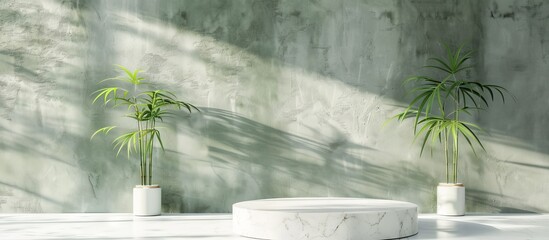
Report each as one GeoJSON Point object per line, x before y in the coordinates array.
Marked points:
{"type": "Point", "coordinates": [105, 130]}
{"type": "Point", "coordinates": [134, 75]}
{"type": "Point", "coordinates": [463, 59]}
{"type": "Point", "coordinates": [167, 94]}
{"type": "Point", "coordinates": [420, 110]}
{"type": "Point", "coordinates": [471, 125]}
{"type": "Point", "coordinates": [467, 137]}
{"type": "Point", "coordinates": [188, 106]}
{"type": "Point", "coordinates": [127, 71]}
{"type": "Point", "coordinates": [425, 86]}
{"type": "Point", "coordinates": [157, 133]}
{"type": "Point", "coordinates": [443, 125]}
{"type": "Point", "coordinates": [439, 68]}
{"type": "Point", "coordinates": [478, 94]}
{"type": "Point", "coordinates": [444, 65]}
{"type": "Point", "coordinates": [463, 68]}
{"type": "Point", "coordinates": [454, 85]}
{"type": "Point", "coordinates": [414, 102]}
{"type": "Point", "coordinates": [103, 92]}
{"type": "Point", "coordinates": [449, 52]}
{"type": "Point", "coordinates": [424, 142]}
{"type": "Point", "coordinates": [501, 90]}
{"type": "Point", "coordinates": [430, 101]}
{"type": "Point", "coordinates": [474, 86]}
{"type": "Point", "coordinates": [501, 94]}
{"type": "Point", "coordinates": [466, 131]}
{"type": "Point", "coordinates": [192, 106]}
{"type": "Point", "coordinates": [461, 98]}
{"type": "Point", "coordinates": [466, 92]}
{"type": "Point", "coordinates": [440, 102]}
{"type": "Point", "coordinates": [489, 91]}
{"type": "Point", "coordinates": [119, 143]}
{"type": "Point", "coordinates": [455, 55]}
{"type": "Point", "coordinates": [127, 141]}
{"type": "Point", "coordinates": [435, 136]}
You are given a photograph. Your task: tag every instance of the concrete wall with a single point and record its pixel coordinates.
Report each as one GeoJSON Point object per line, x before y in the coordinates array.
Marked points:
{"type": "Point", "coordinates": [293, 93]}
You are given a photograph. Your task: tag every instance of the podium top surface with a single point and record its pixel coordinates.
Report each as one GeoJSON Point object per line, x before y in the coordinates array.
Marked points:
{"type": "Point", "coordinates": [324, 205]}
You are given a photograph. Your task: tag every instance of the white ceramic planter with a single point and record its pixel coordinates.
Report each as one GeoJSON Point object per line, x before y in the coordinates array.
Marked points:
{"type": "Point", "coordinates": [147, 200]}
{"type": "Point", "coordinates": [451, 199]}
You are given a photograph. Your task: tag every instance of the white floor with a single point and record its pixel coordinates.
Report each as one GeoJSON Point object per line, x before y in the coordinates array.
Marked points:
{"type": "Point", "coordinates": [219, 226]}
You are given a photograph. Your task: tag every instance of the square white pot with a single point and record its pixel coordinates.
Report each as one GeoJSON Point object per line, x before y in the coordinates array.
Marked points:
{"type": "Point", "coordinates": [451, 199]}
{"type": "Point", "coordinates": [147, 200]}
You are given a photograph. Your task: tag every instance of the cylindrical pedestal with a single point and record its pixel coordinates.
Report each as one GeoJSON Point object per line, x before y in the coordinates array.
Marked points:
{"type": "Point", "coordinates": [325, 219]}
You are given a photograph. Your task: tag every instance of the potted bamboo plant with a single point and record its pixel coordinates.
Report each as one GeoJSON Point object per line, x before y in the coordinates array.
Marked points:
{"type": "Point", "coordinates": [146, 108]}
{"type": "Point", "coordinates": [438, 108]}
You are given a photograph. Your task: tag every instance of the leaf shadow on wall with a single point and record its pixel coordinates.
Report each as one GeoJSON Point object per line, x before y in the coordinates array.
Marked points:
{"type": "Point", "coordinates": [250, 160]}
{"type": "Point", "coordinates": [47, 163]}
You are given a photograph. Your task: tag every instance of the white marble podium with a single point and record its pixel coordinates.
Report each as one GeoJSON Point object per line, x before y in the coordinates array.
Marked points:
{"type": "Point", "coordinates": [324, 218]}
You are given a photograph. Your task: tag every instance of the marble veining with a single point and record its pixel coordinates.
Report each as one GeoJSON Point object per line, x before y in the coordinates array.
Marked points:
{"type": "Point", "coordinates": [325, 218]}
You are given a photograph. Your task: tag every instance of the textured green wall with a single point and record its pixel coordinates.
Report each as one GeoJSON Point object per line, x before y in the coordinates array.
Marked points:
{"type": "Point", "coordinates": [294, 95]}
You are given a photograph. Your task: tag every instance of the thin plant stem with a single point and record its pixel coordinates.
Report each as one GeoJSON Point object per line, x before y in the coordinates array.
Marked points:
{"type": "Point", "coordinates": [457, 157]}
{"type": "Point", "coordinates": [147, 152]}
{"type": "Point", "coordinates": [150, 161]}
{"type": "Point", "coordinates": [456, 137]}
{"type": "Point", "coordinates": [446, 154]}
{"type": "Point", "coordinates": [141, 156]}
{"type": "Point", "coordinates": [151, 144]}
